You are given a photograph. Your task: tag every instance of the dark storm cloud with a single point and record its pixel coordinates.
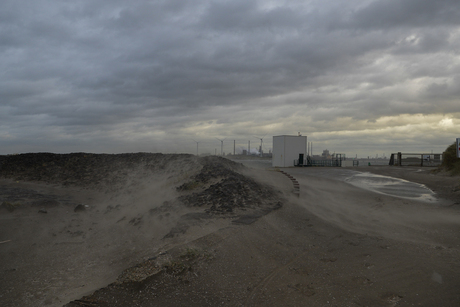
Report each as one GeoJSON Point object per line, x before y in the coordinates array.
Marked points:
{"type": "Point", "coordinates": [172, 65]}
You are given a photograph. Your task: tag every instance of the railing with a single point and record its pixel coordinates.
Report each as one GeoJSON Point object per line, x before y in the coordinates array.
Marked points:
{"type": "Point", "coordinates": [329, 163]}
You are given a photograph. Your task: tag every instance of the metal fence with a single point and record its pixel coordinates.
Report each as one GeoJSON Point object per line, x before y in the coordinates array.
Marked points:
{"type": "Point", "coordinates": [415, 159]}
{"type": "Point", "coordinates": [329, 162]}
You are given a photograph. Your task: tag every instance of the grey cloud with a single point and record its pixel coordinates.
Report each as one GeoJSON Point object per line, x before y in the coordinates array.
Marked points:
{"type": "Point", "coordinates": [383, 14]}
{"type": "Point", "coordinates": [439, 91]}
{"type": "Point", "coordinates": [243, 16]}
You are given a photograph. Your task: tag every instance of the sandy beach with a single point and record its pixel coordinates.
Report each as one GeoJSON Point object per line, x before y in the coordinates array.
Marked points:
{"type": "Point", "coordinates": [186, 231]}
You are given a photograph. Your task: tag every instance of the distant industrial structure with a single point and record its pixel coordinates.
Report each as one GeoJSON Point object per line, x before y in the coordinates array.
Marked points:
{"type": "Point", "coordinates": [287, 149]}
{"type": "Point", "coordinates": [294, 150]}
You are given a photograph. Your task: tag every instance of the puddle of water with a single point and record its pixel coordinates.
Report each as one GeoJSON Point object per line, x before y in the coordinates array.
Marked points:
{"type": "Point", "coordinates": [392, 186]}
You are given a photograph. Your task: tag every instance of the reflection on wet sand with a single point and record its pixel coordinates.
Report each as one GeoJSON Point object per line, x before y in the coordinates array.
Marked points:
{"type": "Point", "coordinates": [392, 186]}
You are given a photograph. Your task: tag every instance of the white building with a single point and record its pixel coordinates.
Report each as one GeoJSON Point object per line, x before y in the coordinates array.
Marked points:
{"type": "Point", "coordinates": [289, 150]}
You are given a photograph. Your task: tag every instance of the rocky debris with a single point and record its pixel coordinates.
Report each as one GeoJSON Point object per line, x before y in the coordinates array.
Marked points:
{"type": "Point", "coordinates": [233, 191]}
{"type": "Point", "coordinates": [79, 208]}
{"type": "Point", "coordinates": [213, 168]}
{"type": "Point", "coordinates": [218, 185]}
{"type": "Point", "coordinates": [175, 263]}
{"type": "Point", "coordinates": [216, 167]}
{"type": "Point", "coordinates": [157, 275]}
{"type": "Point", "coordinates": [90, 170]}
{"type": "Point", "coordinates": [213, 184]}
{"type": "Point", "coordinates": [42, 210]}
{"type": "Point", "coordinates": [224, 192]}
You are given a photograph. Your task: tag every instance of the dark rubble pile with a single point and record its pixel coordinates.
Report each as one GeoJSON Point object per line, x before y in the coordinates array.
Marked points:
{"type": "Point", "coordinates": [213, 168]}
{"type": "Point", "coordinates": [232, 191]}
{"type": "Point", "coordinates": [86, 169]}
{"type": "Point", "coordinates": [215, 186]}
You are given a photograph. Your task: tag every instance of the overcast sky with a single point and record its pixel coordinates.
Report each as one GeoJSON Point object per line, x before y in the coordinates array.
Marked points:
{"type": "Point", "coordinates": [356, 77]}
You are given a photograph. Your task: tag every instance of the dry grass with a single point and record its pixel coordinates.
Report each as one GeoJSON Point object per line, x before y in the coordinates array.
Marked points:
{"type": "Point", "coordinates": [450, 162]}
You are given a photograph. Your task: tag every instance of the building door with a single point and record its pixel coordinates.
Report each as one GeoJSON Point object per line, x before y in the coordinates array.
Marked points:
{"type": "Point", "coordinates": [300, 159]}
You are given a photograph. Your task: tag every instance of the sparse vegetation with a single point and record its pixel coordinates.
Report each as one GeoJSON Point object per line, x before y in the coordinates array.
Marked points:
{"type": "Point", "coordinates": [450, 162]}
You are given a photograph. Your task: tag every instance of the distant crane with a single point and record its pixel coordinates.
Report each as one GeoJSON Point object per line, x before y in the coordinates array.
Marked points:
{"type": "Point", "coordinates": [221, 146]}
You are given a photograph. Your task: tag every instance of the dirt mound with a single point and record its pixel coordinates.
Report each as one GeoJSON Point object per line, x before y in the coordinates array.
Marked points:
{"type": "Point", "coordinates": [214, 182]}
{"type": "Point", "coordinates": [232, 191]}
{"type": "Point", "coordinates": [113, 211]}
{"type": "Point", "coordinates": [86, 169]}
